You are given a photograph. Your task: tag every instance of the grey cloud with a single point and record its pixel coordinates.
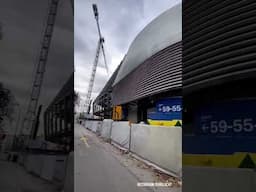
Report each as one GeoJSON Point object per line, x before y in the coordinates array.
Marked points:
{"type": "Point", "coordinates": [80, 46]}
{"type": "Point", "coordinates": [23, 27]}
{"type": "Point", "coordinates": [120, 21]}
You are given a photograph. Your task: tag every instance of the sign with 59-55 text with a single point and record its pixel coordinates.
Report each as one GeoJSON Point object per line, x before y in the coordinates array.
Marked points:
{"type": "Point", "coordinates": [169, 105]}
{"type": "Point", "coordinates": [232, 118]}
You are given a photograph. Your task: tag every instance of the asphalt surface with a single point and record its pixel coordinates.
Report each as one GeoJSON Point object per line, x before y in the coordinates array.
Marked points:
{"type": "Point", "coordinates": [14, 178]}
{"type": "Point", "coordinates": [98, 170]}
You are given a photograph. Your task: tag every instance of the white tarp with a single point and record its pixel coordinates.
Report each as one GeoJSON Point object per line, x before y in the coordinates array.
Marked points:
{"type": "Point", "coordinates": [120, 133]}
{"type": "Point", "coordinates": [158, 144]}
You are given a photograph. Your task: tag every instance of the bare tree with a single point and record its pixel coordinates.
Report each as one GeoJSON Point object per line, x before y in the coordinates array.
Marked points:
{"type": "Point", "coordinates": [6, 103]}
{"type": "Point", "coordinates": [77, 98]}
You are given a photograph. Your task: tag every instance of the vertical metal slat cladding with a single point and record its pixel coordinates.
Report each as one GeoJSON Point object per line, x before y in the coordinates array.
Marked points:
{"type": "Point", "coordinates": [161, 72]}
{"type": "Point", "coordinates": [219, 41]}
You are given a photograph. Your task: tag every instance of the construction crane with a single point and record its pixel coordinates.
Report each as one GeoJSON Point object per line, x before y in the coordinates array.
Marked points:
{"type": "Point", "coordinates": [29, 123]}
{"type": "Point", "coordinates": [100, 47]}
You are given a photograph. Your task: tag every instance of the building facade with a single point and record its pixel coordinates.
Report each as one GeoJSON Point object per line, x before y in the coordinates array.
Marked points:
{"type": "Point", "coordinates": [219, 72]}
{"type": "Point", "coordinates": [152, 68]}
{"type": "Point", "coordinates": [58, 117]}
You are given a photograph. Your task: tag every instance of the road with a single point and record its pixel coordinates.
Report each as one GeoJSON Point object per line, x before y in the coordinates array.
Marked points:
{"type": "Point", "coordinates": [14, 178]}
{"type": "Point", "coordinates": [98, 169]}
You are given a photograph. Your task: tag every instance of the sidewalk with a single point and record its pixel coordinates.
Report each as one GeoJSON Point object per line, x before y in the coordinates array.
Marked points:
{"type": "Point", "coordinates": [101, 167]}
{"type": "Point", "coordinates": [14, 178]}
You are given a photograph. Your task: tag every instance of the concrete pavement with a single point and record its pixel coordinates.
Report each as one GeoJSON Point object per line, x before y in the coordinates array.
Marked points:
{"type": "Point", "coordinates": [97, 168]}
{"type": "Point", "coordinates": [14, 178]}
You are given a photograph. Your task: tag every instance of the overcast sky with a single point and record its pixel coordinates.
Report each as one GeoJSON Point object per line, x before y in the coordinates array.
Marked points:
{"type": "Point", "coordinates": [120, 21]}
{"type": "Point", "coordinates": [23, 24]}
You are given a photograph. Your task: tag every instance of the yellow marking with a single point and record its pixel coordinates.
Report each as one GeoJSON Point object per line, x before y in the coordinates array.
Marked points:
{"type": "Point", "coordinates": [84, 139]}
{"type": "Point", "coordinates": [164, 122]}
{"type": "Point", "coordinates": [253, 156]}
{"type": "Point", "coordinates": [224, 161]}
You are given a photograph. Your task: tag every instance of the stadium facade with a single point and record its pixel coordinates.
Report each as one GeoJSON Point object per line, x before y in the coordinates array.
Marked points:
{"type": "Point", "coordinates": [219, 72]}
{"type": "Point", "coordinates": [151, 72]}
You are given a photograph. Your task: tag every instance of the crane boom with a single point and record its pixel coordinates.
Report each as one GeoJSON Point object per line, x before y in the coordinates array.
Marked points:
{"type": "Point", "coordinates": [91, 82]}
{"type": "Point", "coordinates": [96, 14]}
{"type": "Point", "coordinates": [96, 60]}
{"type": "Point", "coordinates": [29, 120]}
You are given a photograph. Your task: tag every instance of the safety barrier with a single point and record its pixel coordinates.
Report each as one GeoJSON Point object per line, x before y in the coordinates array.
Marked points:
{"type": "Point", "coordinates": [69, 178]}
{"type": "Point", "coordinates": [94, 126]}
{"type": "Point", "coordinates": [49, 167]}
{"type": "Point", "coordinates": [159, 145]}
{"type": "Point", "coordinates": [120, 133]}
{"type": "Point", "coordinates": [106, 129]}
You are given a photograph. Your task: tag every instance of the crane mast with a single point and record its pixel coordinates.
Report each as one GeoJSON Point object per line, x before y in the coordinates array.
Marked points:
{"type": "Point", "coordinates": [100, 47]}
{"type": "Point", "coordinates": [30, 116]}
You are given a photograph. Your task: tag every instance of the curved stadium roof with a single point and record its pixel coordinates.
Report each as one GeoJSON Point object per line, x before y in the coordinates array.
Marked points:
{"type": "Point", "coordinates": [160, 33]}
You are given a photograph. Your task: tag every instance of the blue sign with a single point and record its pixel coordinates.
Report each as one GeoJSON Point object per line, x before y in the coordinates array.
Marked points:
{"type": "Point", "coordinates": [167, 109]}
{"type": "Point", "coordinates": [208, 144]}
{"type": "Point", "coordinates": [233, 118]}
{"type": "Point", "coordinates": [170, 105]}
{"type": "Point", "coordinates": [164, 116]}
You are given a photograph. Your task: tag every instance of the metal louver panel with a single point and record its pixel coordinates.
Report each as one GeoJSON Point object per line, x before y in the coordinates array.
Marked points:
{"type": "Point", "coordinates": [159, 73]}
{"type": "Point", "coordinates": [219, 41]}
